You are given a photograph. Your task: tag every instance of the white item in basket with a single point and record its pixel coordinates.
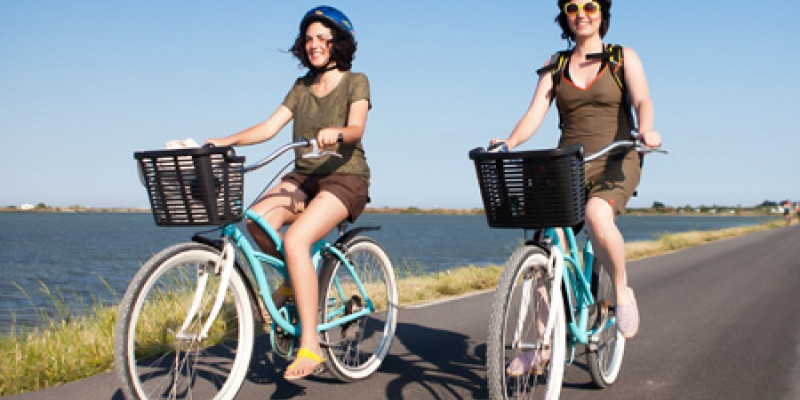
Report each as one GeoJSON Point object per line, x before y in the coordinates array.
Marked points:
{"type": "Point", "coordinates": [181, 144]}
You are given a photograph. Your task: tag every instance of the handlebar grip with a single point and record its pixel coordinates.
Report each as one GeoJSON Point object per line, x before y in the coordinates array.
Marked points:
{"type": "Point", "coordinates": [499, 147]}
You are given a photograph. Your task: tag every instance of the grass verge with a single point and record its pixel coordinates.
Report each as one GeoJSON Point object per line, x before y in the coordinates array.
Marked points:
{"type": "Point", "coordinates": [69, 349]}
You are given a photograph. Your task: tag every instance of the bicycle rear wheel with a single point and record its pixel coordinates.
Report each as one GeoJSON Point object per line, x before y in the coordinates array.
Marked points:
{"type": "Point", "coordinates": [355, 350]}
{"type": "Point", "coordinates": [525, 296]}
{"type": "Point", "coordinates": [154, 358]}
{"type": "Point", "coordinates": [607, 347]}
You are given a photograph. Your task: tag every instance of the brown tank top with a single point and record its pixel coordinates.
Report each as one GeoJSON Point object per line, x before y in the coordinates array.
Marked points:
{"type": "Point", "coordinates": [593, 116]}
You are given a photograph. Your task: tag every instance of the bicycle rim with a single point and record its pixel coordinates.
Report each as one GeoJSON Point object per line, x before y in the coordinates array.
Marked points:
{"type": "Point", "coordinates": [356, 349]}
{"type": "Point", "coordinates": [524, 298]}
{"type": "Point", "coordinates": [605, 360]}
{"type": "Point", "coordinates": [153, 361]}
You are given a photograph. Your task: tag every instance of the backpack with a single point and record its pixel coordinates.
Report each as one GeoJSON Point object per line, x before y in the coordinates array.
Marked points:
{"type": "Point", "coordinates": [612, 53]}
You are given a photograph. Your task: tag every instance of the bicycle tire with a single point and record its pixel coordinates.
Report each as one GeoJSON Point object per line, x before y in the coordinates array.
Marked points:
{"type": "Point", "coordinates": [525, 270]}
{"type": "Point", "coordinates": [606, 352]}
{"type": "Point", "coordinates": [151, 362]}
{"type": "Point", "coordinates": [356, 350]}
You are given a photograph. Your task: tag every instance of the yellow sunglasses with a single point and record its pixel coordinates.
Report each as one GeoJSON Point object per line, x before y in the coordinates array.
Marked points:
{"type": "Point", "coordinates": [572, 9]}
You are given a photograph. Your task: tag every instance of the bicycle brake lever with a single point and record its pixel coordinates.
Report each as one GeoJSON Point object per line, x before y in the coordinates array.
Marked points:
{"type": "Point", "coordinates": [316, 153]}
{"type": "Point", "coordinates": [644, 150]}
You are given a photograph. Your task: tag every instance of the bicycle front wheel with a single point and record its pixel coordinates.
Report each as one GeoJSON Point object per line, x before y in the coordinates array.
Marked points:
{"type": "Point", "coordinates": [524, 359]}
{"type": "Point", "coordinates": [356, 348]}
{"type": "Point", "coordinates": [155, 358]}
{"type": "Point", "coordinates": [607, 346]}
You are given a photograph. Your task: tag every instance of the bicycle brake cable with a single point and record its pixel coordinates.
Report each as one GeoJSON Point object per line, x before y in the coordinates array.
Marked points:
{"type": "Point", "coordinates": [270, 183]}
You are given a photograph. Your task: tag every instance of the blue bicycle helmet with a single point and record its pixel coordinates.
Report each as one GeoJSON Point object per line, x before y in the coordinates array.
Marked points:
{"type": "Point", "coordinates": [327, 13]}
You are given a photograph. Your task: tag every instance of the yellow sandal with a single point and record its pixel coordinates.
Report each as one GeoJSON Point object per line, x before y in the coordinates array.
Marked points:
{"type": "Point", "coordinates": [304, 354]}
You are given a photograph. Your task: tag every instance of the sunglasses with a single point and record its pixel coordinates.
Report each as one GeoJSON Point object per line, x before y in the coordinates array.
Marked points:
{"type": "Point", "coordinates": [572, 9]}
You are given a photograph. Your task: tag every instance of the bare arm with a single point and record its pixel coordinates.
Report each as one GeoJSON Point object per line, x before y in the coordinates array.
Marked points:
{"type": "Point", "coordinates": [533, 117]}
{"type": "Point", "coordinates": [356, 122]}
{"type": "Point", "coordinates": [636, 82]}
{"type": "Point", "coordinates": [258, 133]}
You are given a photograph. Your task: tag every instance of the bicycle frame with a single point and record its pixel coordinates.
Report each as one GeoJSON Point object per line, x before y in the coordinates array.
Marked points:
{"type": "Point", "coordinates": [258, 261]}
{"type": "Point", "coordinates": [234, 239]}
{"type": "Point", "coordinates": [577, 282]}
{"type": "Point", "coordinates": [187, 324]}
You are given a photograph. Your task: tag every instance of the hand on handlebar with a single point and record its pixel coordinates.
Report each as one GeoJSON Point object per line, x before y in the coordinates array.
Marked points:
{"type": "Point", "coordinates": [651, 139]}
{"type": "Point", "coordinates": [317, 152]}
{"type": "Point", "coordinates": [329, 136]}
{"type": "Point", "coordinates": [497, 146]}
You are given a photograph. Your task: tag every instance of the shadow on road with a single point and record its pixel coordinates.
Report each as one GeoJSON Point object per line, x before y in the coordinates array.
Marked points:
{"type": "Point", "coordinates": [424, 363]}
{"type": "Point", "coordinates": [438, 362]}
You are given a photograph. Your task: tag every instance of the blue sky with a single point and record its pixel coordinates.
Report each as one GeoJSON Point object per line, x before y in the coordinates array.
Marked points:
{"type": "Point", "coordinates": [84, 84]}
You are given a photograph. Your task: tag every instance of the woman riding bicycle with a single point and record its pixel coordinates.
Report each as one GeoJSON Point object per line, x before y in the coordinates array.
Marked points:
{"type": "Point", "coordinates": [592, 106]}
{"type": "Point", "coordinates": [329, 104]}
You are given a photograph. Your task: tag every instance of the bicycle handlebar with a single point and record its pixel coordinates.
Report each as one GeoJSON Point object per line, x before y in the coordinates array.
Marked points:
{"type": "Point", "coordinates": [315, 153]}
{"type": "Point", "coordinates": [637, 144]}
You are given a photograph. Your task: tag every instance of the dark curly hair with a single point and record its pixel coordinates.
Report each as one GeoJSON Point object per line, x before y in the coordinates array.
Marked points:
{"type": "Point", "coordinates": [343, 46]}
{"type": "Point", "coordinates": [561, 19]}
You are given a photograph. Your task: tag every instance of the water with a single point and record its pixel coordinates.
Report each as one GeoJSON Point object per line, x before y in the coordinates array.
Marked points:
{"type": "Point", "coordinates": [88, 258]}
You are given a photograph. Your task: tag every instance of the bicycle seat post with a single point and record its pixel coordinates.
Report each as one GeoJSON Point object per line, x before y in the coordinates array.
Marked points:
{"type": "Point", "coordinates": [342, 227]}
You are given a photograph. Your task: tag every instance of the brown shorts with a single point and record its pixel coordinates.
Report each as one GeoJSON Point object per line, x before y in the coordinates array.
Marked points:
{"type": "Point", "coordinates": [350, 189]}
{"type": "Point", "coordinates": [617, 183]}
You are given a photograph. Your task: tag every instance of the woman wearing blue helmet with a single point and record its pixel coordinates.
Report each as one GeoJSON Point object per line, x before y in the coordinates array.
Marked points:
{"type": "Point", "coordinates": [329, 104]}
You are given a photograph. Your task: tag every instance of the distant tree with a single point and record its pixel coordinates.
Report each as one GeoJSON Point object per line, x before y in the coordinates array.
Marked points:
{"type": "Point", "coordinates": [658, 205]}
{"type": "Point", "coordinates": [41, 206]}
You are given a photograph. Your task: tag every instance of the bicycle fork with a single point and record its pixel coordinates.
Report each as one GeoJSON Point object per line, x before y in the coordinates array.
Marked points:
{"type": "Point", "coordinates": [222, 267]}
{"type": "Point", "coordinates": [553, 272]}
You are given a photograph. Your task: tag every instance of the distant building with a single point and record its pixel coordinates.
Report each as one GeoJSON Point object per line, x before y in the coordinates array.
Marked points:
{"type": "Point", "coordinates": [26, 206]}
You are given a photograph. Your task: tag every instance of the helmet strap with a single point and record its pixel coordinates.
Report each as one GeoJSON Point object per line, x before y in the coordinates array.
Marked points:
{"type": "Point", "coordinates": [320, 71]}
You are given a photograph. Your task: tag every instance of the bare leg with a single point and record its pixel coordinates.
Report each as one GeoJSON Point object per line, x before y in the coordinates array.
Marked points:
{"type": "Point", "coordinates": [609, 247]}
{"type": "Point", "coordinates": [608, 244]}
{"type": "Point", "coordinates": [322, 214]}
{"type": "Point", "coordinates": [280, 206]}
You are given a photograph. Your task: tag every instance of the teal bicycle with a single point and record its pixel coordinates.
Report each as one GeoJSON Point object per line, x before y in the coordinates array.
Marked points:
{"type": "Point", "coordinates": [551, 297]}
{"type": "Point", "coordinates": [189, 319]}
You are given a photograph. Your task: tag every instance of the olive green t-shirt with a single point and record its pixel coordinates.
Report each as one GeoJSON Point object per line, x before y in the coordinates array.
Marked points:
{"type": "Point", "coordinates": [312, 113]}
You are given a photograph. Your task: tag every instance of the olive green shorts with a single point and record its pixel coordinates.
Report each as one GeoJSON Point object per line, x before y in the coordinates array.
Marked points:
{"type": "Point", "coordinates": [617, 183]}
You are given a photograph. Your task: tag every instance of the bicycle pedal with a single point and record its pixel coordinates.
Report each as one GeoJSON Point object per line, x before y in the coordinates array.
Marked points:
{"type": "Point", "coordinates": [353, 305]}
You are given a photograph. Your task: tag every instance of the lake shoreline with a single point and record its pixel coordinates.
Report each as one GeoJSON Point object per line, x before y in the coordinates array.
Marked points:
{"type": "Point", "coordinates": [739, 212]}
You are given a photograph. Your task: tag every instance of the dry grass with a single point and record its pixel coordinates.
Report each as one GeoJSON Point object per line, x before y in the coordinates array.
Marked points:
{"type": "Point", "coordinates": [676, 241]}
{"type": "Point", "coordinates": [447, 283]}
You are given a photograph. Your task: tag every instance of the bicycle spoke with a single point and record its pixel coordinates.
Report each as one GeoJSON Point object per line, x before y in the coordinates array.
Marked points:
{"type": "Point", "coordinates": [176, 336]}
{"type": "Point", "coordinates": [364, 286]}
{"type": "Point", "coordinates": [526, 334]}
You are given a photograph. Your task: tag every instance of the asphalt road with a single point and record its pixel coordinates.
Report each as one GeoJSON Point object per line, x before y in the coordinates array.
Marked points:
{"type": "Point", "coordinates": [719, 321]}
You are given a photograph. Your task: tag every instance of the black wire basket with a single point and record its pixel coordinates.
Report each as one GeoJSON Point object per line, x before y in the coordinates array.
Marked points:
{"type": "Point", "coordinates": [195, 186]}
{"type": "Point", "coordinates": [532, 189]}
